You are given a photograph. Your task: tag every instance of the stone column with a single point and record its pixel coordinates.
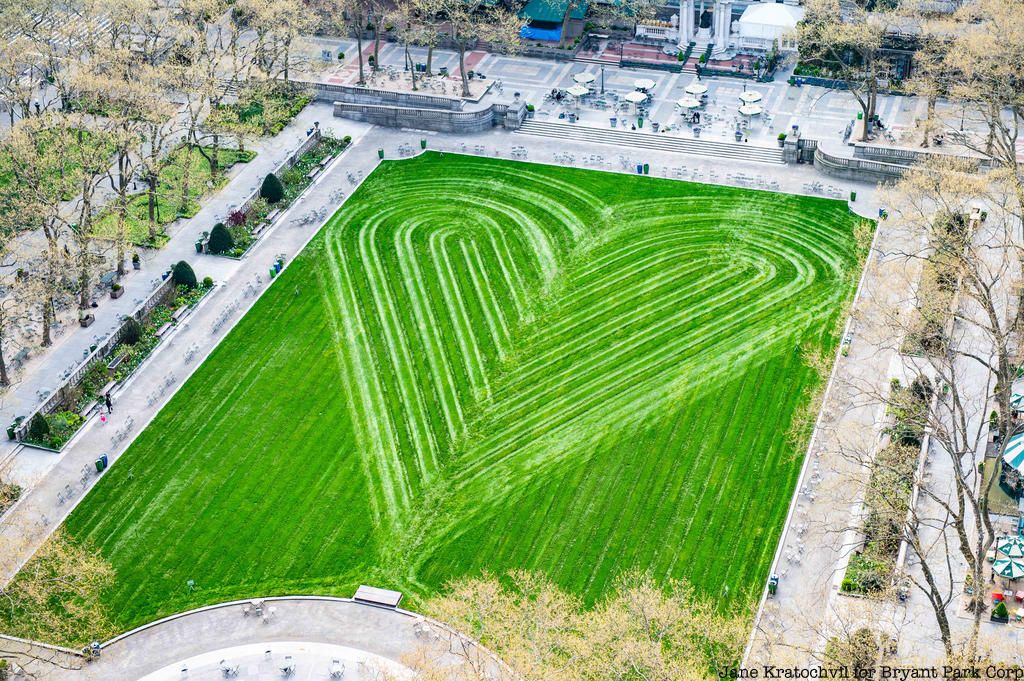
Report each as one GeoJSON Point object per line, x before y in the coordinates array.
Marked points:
{"type": "Point", "coordinates": [722, 22]}
{"type": "Point", "coordinates": [685, 23]}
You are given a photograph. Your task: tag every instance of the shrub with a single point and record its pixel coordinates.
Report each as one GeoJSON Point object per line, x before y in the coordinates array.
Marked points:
{"type": "Point", "coordinates": [272, 190]}
{"type": "Point", "coordinates": [207, 282]}
{"type": "Point", "coordinates": [115, 287]}
{"type": "Point", "coordinates": [347, 140]}
{"type": "Point", "coordinates": [782, 136]}
{"type": "Point", "coordinates": [183, 275]}
{"type": "Point", "coordinates": [341, 55]}
{"type": "Point", "coordinates": [530, 107]}
{"type": "Point", "coordinates": [1000, 610]}
{"type": "Point", "coordinates": [220, 239]}
{"type": "Point", "coordinates": [680, 55]}
{"type": "Point", "coordinates": [132, 331]}
{"type": "Point", "coordinates": [236, 217]}
{"type": "Point", "coordinates": [136, 258]}
{"type": "Point", "coordinates": [38, 428]}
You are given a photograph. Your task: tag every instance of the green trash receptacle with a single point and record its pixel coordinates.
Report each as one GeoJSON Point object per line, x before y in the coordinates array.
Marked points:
{"type": "Point", "coordinates": [647, 169]}
{"type": "Point", "coordinates": [860, 115]}
{"type": "Point", "coordinates": [640, 122]}
{"type": "Point", "coordinates": [853, 196]}
{"type": "Point", "coordinates": [199, 247]}
{"type": "Point", "coordinates": [100, 465]}
{"type": "Point", "coordinates": [380, 154]}
{"type": "Point", "coordinates": [423, 144]}
{"type": "Point", "coordinates": [10, 432]}
{"type": "Point", "coordinates": [273, 272]}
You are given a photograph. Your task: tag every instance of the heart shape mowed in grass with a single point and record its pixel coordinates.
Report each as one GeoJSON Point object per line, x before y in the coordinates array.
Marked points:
{"type": "Point", "coordinates": [492, 335]}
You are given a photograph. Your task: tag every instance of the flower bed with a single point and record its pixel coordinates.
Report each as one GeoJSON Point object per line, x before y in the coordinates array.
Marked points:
{"type": "Point", "coordinates": [889, 492]}
{"type": "Point", "coordinates": [294, 179]}
{"type": "Point", "coordinates": [61, 425]}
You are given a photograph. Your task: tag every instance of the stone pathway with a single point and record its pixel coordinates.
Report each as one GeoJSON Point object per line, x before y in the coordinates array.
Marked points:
{"type": "Point", "coordinates": [311, 631]}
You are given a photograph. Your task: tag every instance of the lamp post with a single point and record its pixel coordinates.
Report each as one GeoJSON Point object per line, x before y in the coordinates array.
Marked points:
{"type": "Point", "coordinates": [602, 79]}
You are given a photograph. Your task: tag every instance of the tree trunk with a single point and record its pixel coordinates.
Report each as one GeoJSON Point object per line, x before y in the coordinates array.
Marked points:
{"type": "Point", "coordinates": [47, 321]}
{"type": "Point", "coordinates": [376, 46]}
{"type": "Point", "coordinates": [462, 69]}
{"type": "Point", "coordinates": [154, 209]}
{"type": "Point", "coordinates": [412, 66]}
{"type": "Point", "coordinates": [929, 120]}
{"type": "Point", "coordinates": [564, 39]}
{"type": "Point", "coordinates": [430, 59]}
{"type": "Point", "coordinates": [359, 48]}
{"type": "Point", "coordinates": [4, 378]}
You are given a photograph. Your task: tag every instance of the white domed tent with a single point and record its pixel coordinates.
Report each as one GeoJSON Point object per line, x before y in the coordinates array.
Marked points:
{"type": "Point", "coordinates": [763, 23]}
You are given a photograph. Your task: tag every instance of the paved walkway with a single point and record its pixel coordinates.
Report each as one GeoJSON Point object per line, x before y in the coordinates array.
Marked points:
{"type": "Point", "coordinates": [312, 631]}
{"type": "Point", "coordinates": [46, 372]}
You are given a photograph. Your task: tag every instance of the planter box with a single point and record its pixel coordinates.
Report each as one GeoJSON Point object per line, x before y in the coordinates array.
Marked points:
{"type": "Point", "coordinates": [116, 293]}
{"type": "Point", "coordinates": [999, 620]}
{"type": "Point", "coordinates": [87, 321]}
{"type": "Point", "coordinates": [136, 265]}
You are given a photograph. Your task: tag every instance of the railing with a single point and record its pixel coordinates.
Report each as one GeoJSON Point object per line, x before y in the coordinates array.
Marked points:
{"type": "Point", "coordinates": [673, 67]}
{"type": "Point", "coordinates": [407, 117]}
{"type": "Point", "coordinates": [877, 169]}
{"type": "Point", "coordinates": [905, 156]}
{"type": "Point", "coordinates": [162, 293]}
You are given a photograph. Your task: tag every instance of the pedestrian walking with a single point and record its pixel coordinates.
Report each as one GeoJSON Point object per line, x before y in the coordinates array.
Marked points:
{"type": "Point", "coordinates": [110, 403]}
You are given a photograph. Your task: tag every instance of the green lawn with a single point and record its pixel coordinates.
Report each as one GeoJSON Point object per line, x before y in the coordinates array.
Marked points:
{"type": "Point", "coordinates": [483, 364]}
{"type": "Point", "coordinates": [169, 194]}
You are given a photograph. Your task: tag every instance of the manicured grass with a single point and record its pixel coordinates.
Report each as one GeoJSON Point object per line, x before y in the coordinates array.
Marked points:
{"type": "Point", "coordinates": [169, 194]}
{"type": "Point", "coordinates": [482, 364]}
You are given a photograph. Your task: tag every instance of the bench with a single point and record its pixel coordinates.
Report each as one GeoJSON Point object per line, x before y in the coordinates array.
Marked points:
{"type": "Point", "coordinates": [108, 279]}
{"type": "Point", "coordinates": [179, 313]}
{"type": "Point", "coordinates": [87, 409]}
{"type": "Point", "coordinates": [313, 173]}
{"type": "Point", "coordinates": [273, 214]}
{"type": "Point", "coordinates": [163, 329]}
{"type": "Point", "coordinates": [327, 159]}
{"type": "Point", "coordinates": [105, 390]}
{"type": "Point", "coordinates": [116, 362]}
{"type": "Point", "coordinates": [371, 595]}
{"type": "Point", "coordinates": [259, 229]}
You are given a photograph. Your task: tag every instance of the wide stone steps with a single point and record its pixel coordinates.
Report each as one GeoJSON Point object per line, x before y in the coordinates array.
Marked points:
{"type": "Point", "coordinates": [654, 141]}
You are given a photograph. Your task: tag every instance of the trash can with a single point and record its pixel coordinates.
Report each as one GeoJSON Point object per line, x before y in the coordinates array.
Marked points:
{"type": "Point", "coordinates": [199, 247]}
{"type": "Point", "coordinates": [613, 120]}
{"type": "Point", "coordinates": [10, 432]}
{"type": "Point", "coordinates": [277, 266]}
{"type": "Point", "coordinates": [640, 122]}
{"type": "Point", "coordinates": [853, 196]}
{"type": "Point", "coordinates": [423, 143]}
{"type": "Point", "coordinates": [273, 272]}
{"type": "Point", "coordinates": [647, 169]}
{"type": "Point", "coordinates": [639, 169]}
{"type": "Point", "coordinates": [380, 154]}
{"type": "Point", "coordinates": [655, 126]}
{"type": "Point", "coordinates": [881, 211]}
{"type": "Point", "coordinates": [100, 465]}
{"type": "Point", "coordinates": [860, 115]}
{"type": "Point", "coordinates": [103, 458]}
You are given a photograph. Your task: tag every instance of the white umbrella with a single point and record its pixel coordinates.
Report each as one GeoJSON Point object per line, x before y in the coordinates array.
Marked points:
{"type": "Point", "coordinates": [751, 110]}
{"type": "Point", "coordinates": [635, 97]}
{"type": "Point", "coordinates": [696, 89]}
{"type": "Point", "coordinates": [1009, 568]}
{"type": "Point", "coordinates": [750, 97]}
{"type": "Point", "coordinates": [689, 102]}
{"type": "Point", "coordinates": [584, 78]}
{"type": "Point", "coordinates": [577, 91]}
{"type": "Point", "coordinates": [644, 84]}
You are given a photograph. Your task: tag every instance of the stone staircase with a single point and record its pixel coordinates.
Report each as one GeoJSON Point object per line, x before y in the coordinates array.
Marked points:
{"type": "Point", "coordinates": [577, 132]}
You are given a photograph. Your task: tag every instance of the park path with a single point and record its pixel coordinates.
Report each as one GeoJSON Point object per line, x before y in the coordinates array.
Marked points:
{"type": "Point", "coordinates": [44, 373]}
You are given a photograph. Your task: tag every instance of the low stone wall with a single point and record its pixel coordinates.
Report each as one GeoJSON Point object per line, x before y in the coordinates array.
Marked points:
{"type": "Point", "coordinates": [857, 169]}
{"type": "Point", "coordinates": [509, 116]}
{"type": "Point", "coordinates": [350, 94]}
{"type": "Point", "coordinates": [907, 157]}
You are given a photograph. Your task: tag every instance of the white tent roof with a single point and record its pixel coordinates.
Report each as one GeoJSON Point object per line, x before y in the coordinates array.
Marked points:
{"type": "Point", "coordinates": [769, 20]}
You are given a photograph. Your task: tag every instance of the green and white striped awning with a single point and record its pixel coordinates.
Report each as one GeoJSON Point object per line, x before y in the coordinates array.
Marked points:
{"type": "Point", "coordinates": [1013, 455]}
{"type": "Point", "coordinates": [1012, 547]}
{"type": "Point", "coordinates": [1009, 568]}
{"type": "Point", "coordinates": [1017, 401]}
